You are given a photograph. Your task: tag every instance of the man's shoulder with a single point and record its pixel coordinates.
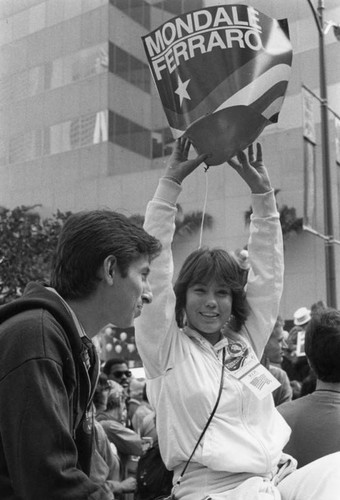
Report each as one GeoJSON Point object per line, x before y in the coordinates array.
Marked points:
{"type": "Point", "coordinates": [296, 406]}
{"type": "Point", "coordinates": [31, 335]}
{"type": "Point", "coordinates": [277, 372]}
{"type": "Point", "coordinates": [37, 321]}
{"type": "Point", "coordinates": [30, 326]}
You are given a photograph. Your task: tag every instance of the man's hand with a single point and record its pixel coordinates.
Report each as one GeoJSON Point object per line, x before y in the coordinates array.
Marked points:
{"type": "Point", "coordinates": [179, 167]}
{"type": "Point", "coordinates": [252, 170]}
{"type": "Point", "coordinates": [129, 485]}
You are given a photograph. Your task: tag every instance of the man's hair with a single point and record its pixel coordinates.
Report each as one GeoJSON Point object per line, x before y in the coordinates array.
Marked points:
{"type": "Point", "coordinates": [85, 241]}
{"type": "Point", "coordinates": [113, 362]}
{"type": "Point", "coordinates": [322, 345]}
{"type": "Point", "coordinates": [203, 266]}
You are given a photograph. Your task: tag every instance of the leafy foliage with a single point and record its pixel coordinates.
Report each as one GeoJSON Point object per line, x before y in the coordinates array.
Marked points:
{"type": "Point", "coordinates": [289, 221]}
{"type": "Point", "coordinates": [185, 224]}
{"type": "Point", "coordinates": [27, 244]}
{"type": "Point", "coordinates": [192, 223]}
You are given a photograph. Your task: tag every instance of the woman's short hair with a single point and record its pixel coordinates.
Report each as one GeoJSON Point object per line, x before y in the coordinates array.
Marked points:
{"type": "Point", "coordinates": [116, 398]}
{"type": "Point", "coordinates": [203, 266]}
{"type": "Point", "coordinates": [322, 345]}
{"type": "Point", "coordinates": [86, 239]}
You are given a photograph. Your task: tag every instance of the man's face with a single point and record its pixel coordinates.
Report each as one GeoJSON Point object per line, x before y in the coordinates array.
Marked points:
{"type": "Point", "coordinates": [131, 293]}
{"type": "Point", "coordinates": [120, 374]}
{"type": "Point", "coordinates": [275, 345]}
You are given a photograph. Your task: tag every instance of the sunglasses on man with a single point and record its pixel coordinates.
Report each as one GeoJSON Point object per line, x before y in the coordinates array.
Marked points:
{"type": "Point", "coordinates": [121, 373]}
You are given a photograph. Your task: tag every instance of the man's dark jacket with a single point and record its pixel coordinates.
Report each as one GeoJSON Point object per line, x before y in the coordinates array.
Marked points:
{"type": "Point", "coordinates": [45, 392]}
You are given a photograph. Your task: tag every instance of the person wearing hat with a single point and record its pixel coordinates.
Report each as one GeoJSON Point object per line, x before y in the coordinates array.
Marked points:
{"type": "Point", "coordinates": [302, 316]}
{"type": "Point", "coordinates": [294, 360]}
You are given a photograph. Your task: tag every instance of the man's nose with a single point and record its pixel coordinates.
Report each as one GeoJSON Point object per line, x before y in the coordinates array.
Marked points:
{"type": "Point", "coordinates": [147, 295]}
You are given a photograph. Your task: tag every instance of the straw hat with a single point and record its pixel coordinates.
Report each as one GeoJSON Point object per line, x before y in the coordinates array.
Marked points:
{"type": "Point", "coordinates": [301, 316]}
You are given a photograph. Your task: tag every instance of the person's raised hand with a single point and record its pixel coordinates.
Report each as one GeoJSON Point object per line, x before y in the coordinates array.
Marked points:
{"type": "Point", "coordinates": [252, 170]}
{"type": "Point", "coordinates": [179, 167]}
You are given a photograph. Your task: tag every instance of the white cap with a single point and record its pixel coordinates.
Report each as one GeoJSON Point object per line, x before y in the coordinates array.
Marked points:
{"type": "Point", "coordinates": [301, 316]}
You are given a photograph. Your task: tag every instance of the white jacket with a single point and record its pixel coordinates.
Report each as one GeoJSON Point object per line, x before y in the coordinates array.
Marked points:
{"type": "Point", "coordinates": [183, 370]}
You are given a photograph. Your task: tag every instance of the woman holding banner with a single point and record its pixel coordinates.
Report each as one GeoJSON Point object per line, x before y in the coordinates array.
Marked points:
{"type": "Point", "coordinates": [200, 343]}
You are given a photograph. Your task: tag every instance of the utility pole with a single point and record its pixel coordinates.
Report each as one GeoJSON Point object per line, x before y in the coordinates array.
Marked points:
{"type": "Point", "coordinates": [326, 165]}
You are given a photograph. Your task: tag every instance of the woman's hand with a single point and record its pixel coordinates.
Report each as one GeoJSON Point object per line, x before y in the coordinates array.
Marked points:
{"type": "Point", "coordinates": [179, 167]}
{"type": "Point", "coordinates": [252, 170]}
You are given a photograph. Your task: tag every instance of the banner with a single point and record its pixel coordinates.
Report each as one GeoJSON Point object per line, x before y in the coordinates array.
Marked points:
{"type": "Point", "coordinates": [337, 139]}
{"type": "Point", "coordinates": [309, 211]}
{"type": "Point", "coordinates": [221, 74]}
{"type": "Point", "coordinates": [308, 122]}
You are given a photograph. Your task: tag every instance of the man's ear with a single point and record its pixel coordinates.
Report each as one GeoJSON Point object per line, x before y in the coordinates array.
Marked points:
{"type": "Point", "coordinates": [109, 269]}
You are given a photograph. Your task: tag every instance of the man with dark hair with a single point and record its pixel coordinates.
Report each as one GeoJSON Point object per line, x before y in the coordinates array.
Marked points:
{"type": "Point", "coordinates": [315, 418]}
{"type": "Point", "coordinates": [48, 364]}
{"type": "Point", "coordinates": [117, 369]}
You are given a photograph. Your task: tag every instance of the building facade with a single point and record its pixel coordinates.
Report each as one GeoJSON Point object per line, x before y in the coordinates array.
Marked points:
{"type": "Point", "coordinates": [82, 125]}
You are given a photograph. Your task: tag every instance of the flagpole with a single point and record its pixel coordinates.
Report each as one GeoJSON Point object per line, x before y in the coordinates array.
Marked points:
{"type": "Point", "coordinates": [326, 167]}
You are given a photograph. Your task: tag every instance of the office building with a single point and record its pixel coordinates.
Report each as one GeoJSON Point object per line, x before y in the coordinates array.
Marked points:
{"type": "Point", "coordinates": [82, 125]}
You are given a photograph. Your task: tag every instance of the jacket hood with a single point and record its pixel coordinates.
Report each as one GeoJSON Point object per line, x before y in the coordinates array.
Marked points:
{"type": "Point", "coordinates": [37, 296]}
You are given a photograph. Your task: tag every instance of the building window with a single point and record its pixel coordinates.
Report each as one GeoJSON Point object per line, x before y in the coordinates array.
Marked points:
{"type": "Point", "coordinates": [85, 130]}
{"type": "Point", "coordinates": [162, 142]}
{"type": "Point", "coordinates": [20, 84]}
{"type": "Point", "coordinates": [128, 67]}
{"type": "Point", "coordinates": [44, 14]}
{"type": "Point", "coordinates": [179, 6]}
{"type": "Point", "coordinates": [24, 84]}
{"type": "Point", "coordinates": [36, 77]}
{"type": "Point", "coordinates": [54, 74]}
{"type": "Point", "coordinates": [92, 128]}
{"type": "Point", "coordinates": [138, 10]}
{"type": "Point", "coordinates": [129, 135]}
{"type": "Point", "coordinates": [22, 147]}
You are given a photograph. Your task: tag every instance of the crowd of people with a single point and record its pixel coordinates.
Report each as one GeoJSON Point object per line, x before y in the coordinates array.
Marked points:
{"type": "Point", "coordinates": [233, 407]}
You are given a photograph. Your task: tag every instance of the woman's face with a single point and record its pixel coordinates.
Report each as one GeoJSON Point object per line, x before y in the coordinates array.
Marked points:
{"type": "Point", "coordinates": [208, 308]}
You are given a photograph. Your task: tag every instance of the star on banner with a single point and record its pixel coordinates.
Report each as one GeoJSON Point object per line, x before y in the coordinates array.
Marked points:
{"type": "Point", "coordinates": [182, 90]}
